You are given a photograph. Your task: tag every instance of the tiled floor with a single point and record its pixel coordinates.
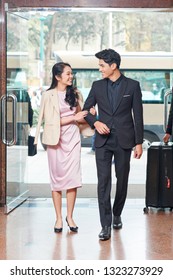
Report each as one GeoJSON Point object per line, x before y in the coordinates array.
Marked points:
{"type": "Point", "coordinates": [27, 233]}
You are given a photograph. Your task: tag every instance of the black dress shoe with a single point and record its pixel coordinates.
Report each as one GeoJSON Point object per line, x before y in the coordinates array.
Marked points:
{"type": "Point", "coordinates": [105, 233]}
{"type": "Point", "coordinates": [117, 223]}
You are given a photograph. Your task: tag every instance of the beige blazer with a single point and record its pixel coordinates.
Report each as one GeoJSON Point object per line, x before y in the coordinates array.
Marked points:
{"type": "Point", "coordinates": [50, 115]}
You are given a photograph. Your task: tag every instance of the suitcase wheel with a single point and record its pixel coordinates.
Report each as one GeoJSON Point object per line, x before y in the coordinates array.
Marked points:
{"type": "Point", "coordinates": [145, 210]}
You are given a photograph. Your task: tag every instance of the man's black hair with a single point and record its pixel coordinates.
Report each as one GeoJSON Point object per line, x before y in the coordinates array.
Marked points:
{"type": "Point", "coordinates": [109, 56]}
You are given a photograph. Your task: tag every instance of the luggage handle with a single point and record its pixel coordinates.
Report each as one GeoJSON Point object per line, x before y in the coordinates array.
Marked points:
{"type": "Point", "coordinates": [165, 143]}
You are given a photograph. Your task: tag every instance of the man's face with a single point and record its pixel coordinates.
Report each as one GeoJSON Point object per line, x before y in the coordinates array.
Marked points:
{"type": "Point", "coordinates": [106, 69]}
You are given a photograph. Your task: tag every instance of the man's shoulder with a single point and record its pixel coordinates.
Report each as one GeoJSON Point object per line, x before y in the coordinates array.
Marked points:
{"type": "Point", "coordinates": [100, 82]}
{"type": "Point", "coordinates": [130, 80]}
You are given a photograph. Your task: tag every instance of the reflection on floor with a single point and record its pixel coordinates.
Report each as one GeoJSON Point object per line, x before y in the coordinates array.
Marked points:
{"type": "Point", "coordinates": [27, 233]}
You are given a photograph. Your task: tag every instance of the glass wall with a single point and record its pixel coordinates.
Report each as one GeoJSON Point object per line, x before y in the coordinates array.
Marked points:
{"type": "Point", "coordinates": [74, 36]}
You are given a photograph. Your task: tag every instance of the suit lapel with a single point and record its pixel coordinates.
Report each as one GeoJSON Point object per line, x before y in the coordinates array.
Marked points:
{"type": "Point", "coordinates": [104, 89]}
{"type": "Point", "coordinates": [121, 91]}
{"type": "Point", "coordinates": [54, 99]}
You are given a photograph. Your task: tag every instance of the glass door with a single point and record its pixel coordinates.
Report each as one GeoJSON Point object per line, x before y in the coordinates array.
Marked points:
{"type": "Point", "coordinates": [16, 111]}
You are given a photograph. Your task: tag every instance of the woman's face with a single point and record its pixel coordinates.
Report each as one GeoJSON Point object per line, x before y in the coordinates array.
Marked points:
{"type": "Point", "coordinates": [66, 77]}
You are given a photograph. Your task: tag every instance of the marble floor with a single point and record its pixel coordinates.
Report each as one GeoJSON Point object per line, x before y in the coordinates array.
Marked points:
{"type": "Point", "coordinates": [27, 233]}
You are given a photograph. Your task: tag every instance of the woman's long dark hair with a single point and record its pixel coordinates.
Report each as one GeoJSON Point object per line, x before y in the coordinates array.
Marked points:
{"type": "Point", "coordinates": [71, 92]}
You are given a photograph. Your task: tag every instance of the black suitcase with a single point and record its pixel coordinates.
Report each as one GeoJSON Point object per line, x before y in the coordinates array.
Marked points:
{"type": "Point", "coordinates": [159, 177]}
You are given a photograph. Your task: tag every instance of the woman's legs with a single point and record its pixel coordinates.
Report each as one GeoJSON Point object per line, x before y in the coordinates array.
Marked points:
{"type": "Point", "coordinates": [71, 198]}
{"type": "Point", "coordinates": [57, 200]}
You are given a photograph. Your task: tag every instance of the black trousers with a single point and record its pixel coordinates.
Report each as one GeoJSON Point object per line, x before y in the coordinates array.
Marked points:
{"type": "Point", "coordinates": [104, 157]}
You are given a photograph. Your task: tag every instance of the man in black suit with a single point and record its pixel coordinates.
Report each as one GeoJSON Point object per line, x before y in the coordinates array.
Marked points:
{"type": "Point", "coordinates": [118, 130]}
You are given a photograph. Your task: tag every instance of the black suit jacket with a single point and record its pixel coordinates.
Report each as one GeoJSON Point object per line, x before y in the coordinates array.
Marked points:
{"type": "Point", "coordinates": [127, 116]}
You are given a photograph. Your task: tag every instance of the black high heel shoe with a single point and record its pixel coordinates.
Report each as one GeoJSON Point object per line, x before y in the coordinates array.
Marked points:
{"type": "Point", "coordinates": [57, 230]}
{"type": "Point", "coordinates": [73, 229]}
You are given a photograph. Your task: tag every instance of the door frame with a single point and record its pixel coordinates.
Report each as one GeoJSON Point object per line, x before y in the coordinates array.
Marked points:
{"type": "Point", "coordinates": [13, 4]}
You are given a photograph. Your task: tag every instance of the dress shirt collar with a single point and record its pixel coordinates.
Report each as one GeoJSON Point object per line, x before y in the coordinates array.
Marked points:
{"type": "Point", "coordinates": [116, 83]}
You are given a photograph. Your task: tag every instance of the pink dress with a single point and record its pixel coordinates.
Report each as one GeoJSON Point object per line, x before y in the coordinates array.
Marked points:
{"type": "Point", "coordinates": [64, 158]}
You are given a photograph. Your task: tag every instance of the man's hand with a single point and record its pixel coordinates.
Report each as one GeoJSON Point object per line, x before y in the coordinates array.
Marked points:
{"type": "Point", "coordinates": [101, 128]}
{"type": "Point", "coordinates": [166, 137]}
{"type": "Point", "coordinates": [138, 151]}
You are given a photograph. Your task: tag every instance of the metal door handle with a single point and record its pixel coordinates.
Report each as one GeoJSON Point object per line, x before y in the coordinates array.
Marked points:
{"type": "Point", "coordinates": [4, 99]}
{"type": "Point", "coordinates": [167, 94]}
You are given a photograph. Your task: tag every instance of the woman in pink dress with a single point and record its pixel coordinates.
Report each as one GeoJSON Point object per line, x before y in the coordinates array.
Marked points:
{"type": "Point", "coordinates": [61, 112]}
